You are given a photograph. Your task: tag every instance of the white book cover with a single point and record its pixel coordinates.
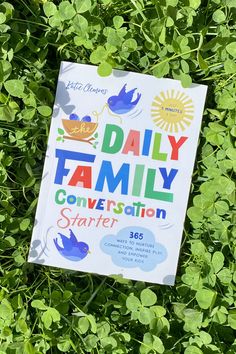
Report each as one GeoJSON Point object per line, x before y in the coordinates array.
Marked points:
{"type": "Point", "coordinates": [117, 174]}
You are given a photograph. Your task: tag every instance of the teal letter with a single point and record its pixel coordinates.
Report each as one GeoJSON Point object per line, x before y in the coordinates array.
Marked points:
{"type": "Point", "coordinates": [138, 178]}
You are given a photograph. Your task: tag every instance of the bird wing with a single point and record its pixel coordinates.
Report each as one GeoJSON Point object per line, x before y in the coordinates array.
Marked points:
{"type": "Point", "coordinates": [129, 95]}
{"type": "Point", "coordinates": [67, 244]}
{"type": "Point", "coordinates": [122, 91]}
{"type": "Point", "coordinates": [126, 97]}
{"type": "Point", "coordinates": [73, 239]}
{"type": "Point", "coordinates": [137, 99]}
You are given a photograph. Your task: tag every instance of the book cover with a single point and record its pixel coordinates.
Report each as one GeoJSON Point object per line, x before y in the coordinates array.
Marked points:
{"type": "Point", "coordinates": [117, 174]}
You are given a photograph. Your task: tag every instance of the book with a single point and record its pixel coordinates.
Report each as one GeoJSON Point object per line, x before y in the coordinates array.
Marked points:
{"type": "Point", "coordinates": [117, 174]}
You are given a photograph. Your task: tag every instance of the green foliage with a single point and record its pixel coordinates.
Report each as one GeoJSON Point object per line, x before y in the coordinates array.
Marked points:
{"type": "Point", "coordinates": [46, 310]}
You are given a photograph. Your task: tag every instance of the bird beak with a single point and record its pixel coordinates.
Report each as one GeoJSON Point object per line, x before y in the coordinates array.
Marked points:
{"type": "Point", "coordinates": [89, 252]}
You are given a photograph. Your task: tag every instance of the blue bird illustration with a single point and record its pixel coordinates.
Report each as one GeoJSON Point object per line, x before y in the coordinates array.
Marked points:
{"type": "Point", "coordinates": [72, 249]}
{"type": "Point", "coordinates": [122, 103]}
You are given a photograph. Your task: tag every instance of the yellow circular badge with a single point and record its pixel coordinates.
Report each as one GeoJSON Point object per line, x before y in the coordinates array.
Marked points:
{"type": "Point", "coordinates": [172, 111]}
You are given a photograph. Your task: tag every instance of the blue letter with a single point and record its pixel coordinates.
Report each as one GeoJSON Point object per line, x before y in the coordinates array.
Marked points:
{"type": "Point", "coordinates": [106, 172]}
{"type": "Point", "coordinates": [168, 179]}
{"type": "Point", "coordinates": [100, 203]}
{"type": "Point", "coordinates": [62, 155]}
{"type": "Point", "coordinates": [147, 142]}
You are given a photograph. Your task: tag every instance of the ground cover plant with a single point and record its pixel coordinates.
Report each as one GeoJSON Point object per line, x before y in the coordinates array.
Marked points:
{"type": "Point", "coordinates": [47, 310]}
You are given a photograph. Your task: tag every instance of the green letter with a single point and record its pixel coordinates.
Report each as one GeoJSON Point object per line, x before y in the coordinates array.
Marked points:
{"type": "Point", "coordinates": [115, 146]}
{"type": "Point", "coordinates": [149, 191]}
{"type": "Point", "coordinates": [57, 200]}
{"type": "Point", "coordinates": [156, 154]}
